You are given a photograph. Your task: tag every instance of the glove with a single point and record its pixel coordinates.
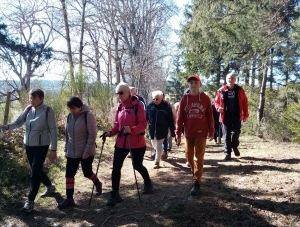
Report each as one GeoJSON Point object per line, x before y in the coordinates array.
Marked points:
{"type": "Point", "coordinates": [103, 136]}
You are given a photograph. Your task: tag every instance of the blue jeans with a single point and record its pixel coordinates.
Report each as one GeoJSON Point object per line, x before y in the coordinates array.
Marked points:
{"type": "Point", "coordinates": [36, 157]}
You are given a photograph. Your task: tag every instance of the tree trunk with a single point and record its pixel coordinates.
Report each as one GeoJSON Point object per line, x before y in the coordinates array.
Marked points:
{"type": "Point", "coordinates": [97, 55]}
{"type": "Point", "coordinates": [6, 112]}
{"type": "Point", "coordinates": [246, 70]}
{"type": "Point", "coordinates": [81, 37]}
{"type": "Point", "coordinates": [117, 58]}
{"type": "Point", "coordinates": [271, 71]}
{"type": "Point", "coordinates": [225, 72]}
{"type": "Point", "coordinates": [260, 111]}
{"type": "Point", "coordinates": [253, 76]}
{"type": "Point", "coordinates": [71, 64]}
{"type": "Point", "coordinates": [109, 66]}
{"type": "Point", "coordinates": [286, 73]}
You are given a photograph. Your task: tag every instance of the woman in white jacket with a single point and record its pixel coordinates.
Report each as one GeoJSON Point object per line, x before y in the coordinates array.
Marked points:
{"type": "Point", "coordinates": [41, 131]}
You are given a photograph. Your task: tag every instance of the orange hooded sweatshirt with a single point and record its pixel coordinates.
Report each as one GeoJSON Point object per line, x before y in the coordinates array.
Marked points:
{"type": "Point", "coordinates": [195, 113]}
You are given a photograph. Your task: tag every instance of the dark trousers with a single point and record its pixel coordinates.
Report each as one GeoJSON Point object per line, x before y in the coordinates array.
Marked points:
{"type": "Point", "coordinates": [231, 132]}
{"type": "Point", "coordinates": [73, 164]}
{"type": "Point", "coordinates": [36, 157]}
{"type": "Point", "coordinates": [137, 156]}
{"type": "Point", "coordinates": [71, 169]}
{"type": "Point", "coordinates": [165, 145]}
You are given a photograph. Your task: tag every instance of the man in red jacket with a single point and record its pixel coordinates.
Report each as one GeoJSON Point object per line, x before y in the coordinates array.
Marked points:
{"type": "Point", "coordinates": [195, 113]}
{"type": "Point", "coordinates": [232, 103]}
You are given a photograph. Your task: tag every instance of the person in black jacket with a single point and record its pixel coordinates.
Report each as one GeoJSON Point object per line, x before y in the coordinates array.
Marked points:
{"type": "Point", "coordinates": [218, 132]}
{"type": "Point", "coordinates": [160, 118]}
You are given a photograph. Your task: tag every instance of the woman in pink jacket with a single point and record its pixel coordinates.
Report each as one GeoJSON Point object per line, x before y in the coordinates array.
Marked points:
{"type": "Point", "coordinates": [129, 126]}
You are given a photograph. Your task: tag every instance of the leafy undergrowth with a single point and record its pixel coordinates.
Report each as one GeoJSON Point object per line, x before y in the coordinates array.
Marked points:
{"type": "Point", "coordinates": [260, 188]}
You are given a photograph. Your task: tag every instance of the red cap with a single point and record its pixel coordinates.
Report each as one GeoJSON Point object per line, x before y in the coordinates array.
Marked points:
{"type": "Point", "coordinates": [193, 77]}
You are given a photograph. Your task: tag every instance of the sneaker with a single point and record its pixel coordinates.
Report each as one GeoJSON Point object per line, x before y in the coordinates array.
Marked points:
{"type": "Point", "coordinates": [114, 198]}
{"type": "Point", "coordinates": [195, 190]}
{"type": "Point", "coordinates": [169, 149]}
{"type": "Point", "coordinates": [227, 157]}
{"type": "Point", "coordinates": [28, 206]}
{"type": "Point", "coordinates": [236, 152]}
{"type": "Point", "coordinates": [147, 188]}
{"type": "Point", "coordinates": [188, 164]}
{"type": "Point", "coordinates": [49, 190]}
{"type": "Point", "coordinates": [66, 203]}
{"type": "Point", "coordinates": [99, 189]}
{"type": "Point", "coordinates": [164, 156]}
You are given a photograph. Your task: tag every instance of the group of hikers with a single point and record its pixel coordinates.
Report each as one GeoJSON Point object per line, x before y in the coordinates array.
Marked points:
{"type": "Point", "coordinates": [191, 117]}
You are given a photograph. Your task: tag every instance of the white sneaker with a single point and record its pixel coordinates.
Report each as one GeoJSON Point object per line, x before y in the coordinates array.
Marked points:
{"type": "Point", "coordinates": [49, 190]}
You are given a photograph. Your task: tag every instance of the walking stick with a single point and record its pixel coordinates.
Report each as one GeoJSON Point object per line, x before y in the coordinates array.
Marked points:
{"type": "Point", "coordinates": [103, 142]}
{"type": "Point", "coordinates": [137, 187]}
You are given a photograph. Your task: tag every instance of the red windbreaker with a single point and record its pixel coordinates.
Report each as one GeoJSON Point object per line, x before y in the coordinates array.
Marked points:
{"type": "Point", "coordinates": [136, 121]}
{"type": "Point", "coordinates": [243, 103]}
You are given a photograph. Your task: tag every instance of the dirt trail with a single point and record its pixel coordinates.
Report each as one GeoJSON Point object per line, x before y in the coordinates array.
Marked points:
{"type": "Point", "coordinates": [260, 188]}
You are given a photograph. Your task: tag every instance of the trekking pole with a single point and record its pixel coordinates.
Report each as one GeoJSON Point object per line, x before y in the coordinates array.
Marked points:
{"type": "Point", "coordinates": [103, 141]}
{"type": "Point", "coordinates": [137, 187]}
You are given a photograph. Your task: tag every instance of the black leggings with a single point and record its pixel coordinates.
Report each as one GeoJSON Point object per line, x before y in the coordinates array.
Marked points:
{"type": "Point", "coordinates": [36, 157]}
{"type": "Point", "coordinates": [71, 169]}
{"type": "Point", "coordinates": [137, 158]}
{"type": "Point", "coordinates": [73, 164]}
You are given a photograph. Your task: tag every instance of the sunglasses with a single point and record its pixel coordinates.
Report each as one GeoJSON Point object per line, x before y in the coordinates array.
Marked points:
{"type": "Point", "coordinates": [120, 93]}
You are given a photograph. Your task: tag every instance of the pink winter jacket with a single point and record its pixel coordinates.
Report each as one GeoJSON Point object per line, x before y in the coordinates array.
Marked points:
{"type": "Point", "coordinates": [137, 122]}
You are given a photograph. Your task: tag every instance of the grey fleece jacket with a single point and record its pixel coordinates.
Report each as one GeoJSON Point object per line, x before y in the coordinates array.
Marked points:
{"type": "Point", "coordinates": [80, 136]}
{"type": "Point", "coordinates": [39, 131]}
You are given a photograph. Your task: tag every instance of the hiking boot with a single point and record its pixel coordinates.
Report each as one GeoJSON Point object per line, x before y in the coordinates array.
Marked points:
{"type": "Point", "coordinates": [164, 156]}
{"type": "Point", "coordinates": [147, 188]}
{"type": "Point", "coordinates": [114, 198]}
{"type": "Point", "coordinates": [99, 189]}
{"type": "Point", "coordinates": [49, 190]}
{"type": "Point", "coordinates": [66, 203]}
{"type": "Point", "coordinates": [227, 157]}
{"type": "Point", "coordinates": [28, 206]}
{"type": "Point", "coordinates": [195, 190]}
{"type": "Point", "coordinates": [236, 152]}
{"type": "Point", "coordinates": [156, 165]}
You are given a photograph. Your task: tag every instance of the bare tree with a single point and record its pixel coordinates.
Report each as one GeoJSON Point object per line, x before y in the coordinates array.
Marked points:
{"type": "Point", "coordinates": [29, 46]}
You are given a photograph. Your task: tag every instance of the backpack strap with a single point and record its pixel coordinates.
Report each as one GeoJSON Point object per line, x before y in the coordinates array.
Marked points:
{"type": "Point", "coordinates": [30, 107]}
{"type": "Point", "coordinates": [27, 111]}
{"type": "Point", "coordinates": [47, 112]}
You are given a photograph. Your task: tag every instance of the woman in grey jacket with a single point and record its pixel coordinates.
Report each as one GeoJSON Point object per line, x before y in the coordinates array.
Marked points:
{"type": "Point", "coordinates": [79, 147]}
{"type": "Point", "coordinates": [41, 130]}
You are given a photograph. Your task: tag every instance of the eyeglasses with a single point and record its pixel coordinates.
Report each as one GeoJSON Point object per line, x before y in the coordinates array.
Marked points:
{"type": "Point", "coordinates": [155, 99]}
{"type": "Point", "coordinates": [120, 93]}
